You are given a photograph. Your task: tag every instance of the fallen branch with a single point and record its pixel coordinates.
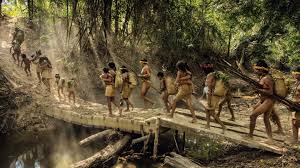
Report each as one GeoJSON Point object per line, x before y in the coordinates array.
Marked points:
{"type": "Point", "coordinates": [96, 137]}
{"type": "Point", "coordinates": [109, 151]}
{"type": "Point", "coordinates": [178, 161]}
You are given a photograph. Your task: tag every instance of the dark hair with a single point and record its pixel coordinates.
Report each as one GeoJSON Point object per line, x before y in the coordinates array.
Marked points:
{"type": "Point", "coordinates": [207, 67]}
{"type": "Point", "coordinates": [160, 74]}
{"type": "Point", "coordinates": [105, 70]}
{"type": "Point", "coordinates": [57, 76]}
{"type": "Point", "coordinates": [124, 69]}
{"type": "Point", "coordinates": [298, 69]}
{"type": "Point", "coordinates": [39, 52]}
{"type": "Point", "coordinates": [262, 63]}
{"type": "Point", "coordinates": [23, 55]}
{"type": "Point", "coordinates": [181, 65]}
{"type": "Point", "coordinates": [112, 65]}
{"type": "Point", "coordinates": [144, 60]}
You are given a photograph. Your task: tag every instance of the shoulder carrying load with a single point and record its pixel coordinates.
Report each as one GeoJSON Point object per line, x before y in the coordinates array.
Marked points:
{"type": "Point", "coordinates": [280, 87]}
{"type": "Point", "coordinates": [71, 83]}
{"type": "Point", "coordinates": [20, 36]}
{"type": "Point", "coordinates": [221, 86]}
{"type": "Point", "coordinates": [118, 79]}
{"type": "Point", "coordinates": [132, 80]}
{"type": "Point", "coordinates": [170, 84]}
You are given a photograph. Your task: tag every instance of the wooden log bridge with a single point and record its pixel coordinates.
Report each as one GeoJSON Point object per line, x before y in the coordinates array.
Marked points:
{"type": "Point", "coordinates": [90, 114]}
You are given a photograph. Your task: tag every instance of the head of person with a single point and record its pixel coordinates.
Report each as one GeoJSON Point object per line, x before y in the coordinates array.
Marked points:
{"type": "Point", "coordinates": [181, 66]}
{"type": "Point", "coordinates": [261, 67]}
{"type": "Point", "coordinates": [112, 65]}
{"type": "Point", "coordinates": [160, 75]}
{"type": "Point", "coordinates": [296, 73]}
{"type": "Point", "coordinates": [57, 76]}
{"type": "Point", "coordinates": [38, 52]}
{"type": "Point", "coordinates": [143, 62]}
{"type": "Point", "coordinates": [207, 67]}
{"type": "Point", "coordinates": [105, 70]}
{"type": "Point", "coordinates": [17, 29]}
{"type": "Point", "coordinates": [23, 56]}
{"type": "Point", "coordinates": [123, 69]}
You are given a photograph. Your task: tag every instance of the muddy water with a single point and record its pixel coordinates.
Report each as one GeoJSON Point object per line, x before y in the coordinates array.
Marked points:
{"type": "Point", "coordinates": [61, 150]}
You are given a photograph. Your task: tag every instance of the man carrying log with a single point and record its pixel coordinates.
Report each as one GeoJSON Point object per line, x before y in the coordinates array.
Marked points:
{"type": "Point", "coordinates": [266, 104]}
{"type": "Point", "coordinates": [215, 92]}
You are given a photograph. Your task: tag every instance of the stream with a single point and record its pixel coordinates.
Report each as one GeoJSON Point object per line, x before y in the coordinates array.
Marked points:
{"type": "Point", "coordinates": [60, 149]}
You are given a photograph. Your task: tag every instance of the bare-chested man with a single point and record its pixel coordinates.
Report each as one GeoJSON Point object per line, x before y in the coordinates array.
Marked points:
{"type": "Point", "coordinates": [126, 90]}
{"type": "Point", "coordinates": [16, 48]}
{"type": "Point", "coordinates": [163, 90]}
{"type": "Point", "coordinates": [185, 88]}
{"type": "Point", "coordinates": [26, 63]}
{"type": "Point", "coordinates": [110, 90]}
{"type": "Point", "coordinates": [212, 98]}
{"type": "Point", "coordinates": [60, 83]}
{"type": "Point", "coordinates": [46, 71]}
{"type": "Point", "coordinates": [146, 83]}
{"type": "Point", "coordinates": [296, 115]}
{"type": "Point", "coordinates": [227, 99]}
{"type": "Point", "coordinates": [35, 61]}
{"type": "Point", "coordinates": [18, 36]}
{"type": "Point", "coordinates": [266, 104]}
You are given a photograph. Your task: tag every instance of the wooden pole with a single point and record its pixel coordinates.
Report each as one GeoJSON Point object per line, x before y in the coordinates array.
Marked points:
{"type": "Point", "coordinates": [183, 142]}
{"type": "Point", "coordinates": [176, 141]}
{"type": "Point", "coordinates": [156, 137]}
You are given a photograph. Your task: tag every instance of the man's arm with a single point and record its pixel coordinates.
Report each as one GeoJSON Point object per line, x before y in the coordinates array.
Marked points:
{"type": "Point", "coordinates": [22, 62]}
{"type": "Point", "coordinates": [267, 86]}
{"type": "Point", "coordinates": [187, 77]}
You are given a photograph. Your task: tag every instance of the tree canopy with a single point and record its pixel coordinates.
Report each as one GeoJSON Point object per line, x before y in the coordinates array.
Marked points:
{"type": "Point", "coordinates": [168, 30]}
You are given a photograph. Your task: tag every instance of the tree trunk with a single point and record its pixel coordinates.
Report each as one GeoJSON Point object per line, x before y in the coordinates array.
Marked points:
{"type": "Point", "coordinates": [117, 13]}
{"type": "Point", "coordinates": [97, 137]}
{"type": "Point", "coordinates": [29, 3]}
{"type": "Point", "coordinates": [127, 17]}
{"type": "Point", "coordinates": [0, 8]}
{"type": "Point", "coordinates": [110, 150]}
{"type": "Point", "coordinates": [107, 15]}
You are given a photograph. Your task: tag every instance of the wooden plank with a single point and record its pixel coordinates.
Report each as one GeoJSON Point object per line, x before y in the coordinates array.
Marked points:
{"type": "Point", "coordinates": [181, 123]}
{"type": "Point", "coordinates": [239, 129]}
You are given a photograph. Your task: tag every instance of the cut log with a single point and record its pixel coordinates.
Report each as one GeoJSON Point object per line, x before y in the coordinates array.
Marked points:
{"type": "Point", "coordinates": [140, 139]}
{"type": "Point", "coordinates": [178, 161]}
{"type": "Point", "coordinates": [110, 150]}
{"type": "Point", "coordinates": [97, 137]}
{"type": "Point", "coordinates": [145, 137]}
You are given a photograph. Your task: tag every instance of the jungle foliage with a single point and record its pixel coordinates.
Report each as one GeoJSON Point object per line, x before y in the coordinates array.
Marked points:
{"type": "Point", "coordinates": [168, 30]}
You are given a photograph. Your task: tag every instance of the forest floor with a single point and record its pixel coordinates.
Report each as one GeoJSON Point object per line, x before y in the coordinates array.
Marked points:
{"type": "Point", "coordinates": [29, 118]}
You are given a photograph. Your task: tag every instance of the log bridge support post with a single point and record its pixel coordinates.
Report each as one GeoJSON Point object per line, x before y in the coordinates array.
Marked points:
{"type": "Point", "coordinates": [156, 138]}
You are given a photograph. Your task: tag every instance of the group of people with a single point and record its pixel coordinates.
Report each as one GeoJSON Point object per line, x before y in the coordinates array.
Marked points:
{"type": "Point", "coordinates": [217, 90]}
{"type": "Point", "coordinates": [43, 67]}
{"type": "Point", "coordinates": [43, 64]}
{"type": "Point", "coordinates": [217, 93]}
